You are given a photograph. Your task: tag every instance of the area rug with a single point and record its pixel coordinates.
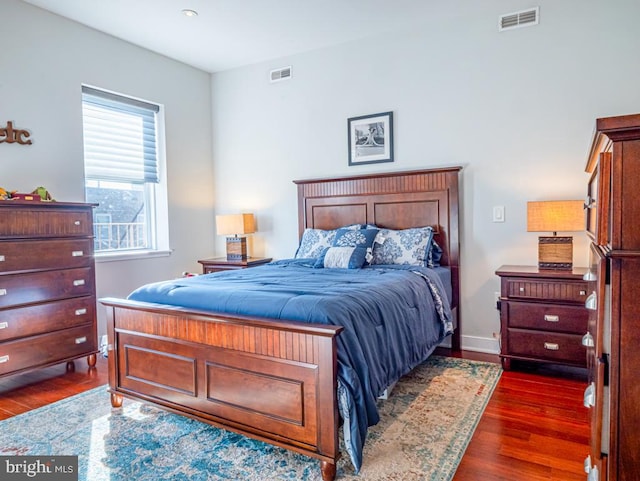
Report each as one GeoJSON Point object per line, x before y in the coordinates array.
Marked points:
{"type": "Point", "coordinates": [426, 424]}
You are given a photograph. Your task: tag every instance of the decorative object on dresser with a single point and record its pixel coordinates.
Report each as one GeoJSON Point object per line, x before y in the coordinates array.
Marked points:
{"type": "Point", "coordinates": [542, 315]}
{"type": "Point", "coordinates": [555, 216]}
{"type": "Point", "coordinates": [47, 285]}
{"type": "Point", "coordinates": [613, 340]}
{"type": "Point", "coordinates": [235, 225]}
{"type": "Point", "coordinates": [216, 264]}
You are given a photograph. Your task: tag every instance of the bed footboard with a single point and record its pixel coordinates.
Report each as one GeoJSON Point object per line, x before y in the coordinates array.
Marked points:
{"type": "Point", "coordinates": [271, 380]}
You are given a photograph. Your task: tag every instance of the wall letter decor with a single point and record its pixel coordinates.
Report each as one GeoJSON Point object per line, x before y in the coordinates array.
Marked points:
{"type": "Point", "coordinates": [10, 135]}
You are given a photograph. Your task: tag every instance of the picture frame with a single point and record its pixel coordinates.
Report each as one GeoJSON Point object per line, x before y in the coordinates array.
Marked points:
{"type": "Point", "coordinates": [370, 138]}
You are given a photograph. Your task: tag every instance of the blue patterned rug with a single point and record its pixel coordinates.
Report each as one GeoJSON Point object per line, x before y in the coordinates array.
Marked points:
{"type": "Point", "coordinates": [426, 425]}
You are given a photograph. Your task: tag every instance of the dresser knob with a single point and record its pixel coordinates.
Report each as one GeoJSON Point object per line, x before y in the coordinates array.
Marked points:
{"type": "Point", "coordinates": [1, 258]}
{"type": "Point", "coordinates": [3, 292]}
{"type": "Point", "coordinates": [587, 340]}
{"type": "Point", "coordinates": [77, 254]}
{"type": "Point", "coordinates": [77, 222]}
{"type": "Point", "coordinates": [522, 289]}
{"type": "Point", "coordinates": [591, 301]}
{"type": "Point", "coordinates": [551, 318]}
{"type": "Point", "coordinates": [80, 340]}
{"type": "Point", "coordinates": [4, 358]}
{"type": "Point", "coordinates": [4, 325]}
{"type": "Point", "coordinates": [80, 312]}
{"type": "Point", "coordinates": [78, 282]}
{"type": "Point", "coordinates": [551, 346]}
{"type": "Point", "coordinates": [590, 396]}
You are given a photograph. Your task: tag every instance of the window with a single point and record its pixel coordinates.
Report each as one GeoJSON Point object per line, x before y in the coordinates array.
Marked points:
{"type": "Point", "coordinates": [123, 173]}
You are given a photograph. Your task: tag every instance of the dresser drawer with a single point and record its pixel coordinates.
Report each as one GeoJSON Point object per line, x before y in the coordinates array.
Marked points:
{"type": "Point", "coordinates": [547, 317]}
{"type": "Point", "coordinates": [50, 316]}
{"type": "Point", "coordinates": [47, 348]}
{"type": "Point", "coordinates": [45, 254]}
{"type": "Point", "coordinates": [549, 346]}
{"type": "Point", "coordinates": [545, 289]}
{"type": "Point", "coordinates": [44, 221]}
{"type": "Point", "coordinates": [19, 289]}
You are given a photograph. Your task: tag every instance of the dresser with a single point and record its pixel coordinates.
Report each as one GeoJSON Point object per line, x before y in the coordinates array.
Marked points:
{"type": "Point", "coordinates": [47, 285]}
{"type": "Point", "coordinates": [216, 264]}
{"type": "Point", "coordinates": [613, 339]}
{"type": "Point", "coordinates": [542, 315]}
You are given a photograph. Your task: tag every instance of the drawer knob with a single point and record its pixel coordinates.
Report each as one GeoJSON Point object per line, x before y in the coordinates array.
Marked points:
{"type": "Point", "coordinates": [551, 346]}
{"type": "Point", "coordinates": [80, 340]}
{"type": "Point", "coordinates": [591, 301]}
{"type": "Point", "coordinates": [78, 282]}
{"type": "Point", "coordinates": [590, 396]}
{"type": "Point", "coordinates": [1, 258]}
{"type": "Point", "coordinates": [4, 358]}
{"type": "Point", "coordinates": [587, 340]}
{"type": "Point", "coordinates": [80, 312]}
{"type": "Point", "coordinates": [4, 325]}
{"type": "Point", "coordinates": [551, 318]}
{"type": "Point", "coordinates": [583, 293]}
{"type": "Point", "coordinates": [3, 292]}
{"type": "Point", "coordinates": [77, 222]}
{"type": "Point", "coordinates": [522, 289]}
{"type": "Point", "coordinates": [77, 254]}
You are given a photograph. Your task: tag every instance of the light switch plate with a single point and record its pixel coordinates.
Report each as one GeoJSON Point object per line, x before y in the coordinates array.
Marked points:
{"type": "Point", "coordinates": [498, 213]}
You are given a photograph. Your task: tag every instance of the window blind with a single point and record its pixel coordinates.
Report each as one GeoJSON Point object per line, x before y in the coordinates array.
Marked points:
{"type": "Point", "coordinates": [119, 138]}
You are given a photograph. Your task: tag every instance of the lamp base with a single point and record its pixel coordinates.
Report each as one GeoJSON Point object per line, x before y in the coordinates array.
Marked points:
{"type": "Point", "coordinates": [236, 248]}
{"type": "Point", "coordinates": [555, 253]}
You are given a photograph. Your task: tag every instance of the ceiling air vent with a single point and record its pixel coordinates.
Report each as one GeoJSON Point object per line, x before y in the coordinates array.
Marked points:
{"type": "Point", "coordinates": [523, 18]}
{"type": "Point", "coordinates": [279, 74]}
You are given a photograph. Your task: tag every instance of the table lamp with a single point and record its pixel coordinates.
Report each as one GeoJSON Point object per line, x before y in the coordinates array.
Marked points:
{"type": "Point", "coordinates": [555, 252]}
{"type": "Point", "coordinates": [235, 225]}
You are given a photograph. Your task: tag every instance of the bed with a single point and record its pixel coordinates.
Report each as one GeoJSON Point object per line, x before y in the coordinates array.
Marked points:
{"type": "Point", "coordinates": [276, 378]}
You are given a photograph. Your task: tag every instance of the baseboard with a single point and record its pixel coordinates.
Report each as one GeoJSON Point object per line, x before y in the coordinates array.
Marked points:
{"type": "Point", "coordinates": [487, 345]}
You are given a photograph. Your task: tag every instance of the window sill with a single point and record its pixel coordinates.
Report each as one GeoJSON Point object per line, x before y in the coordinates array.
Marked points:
{"type": "Point", "coordinates": [127, 256]}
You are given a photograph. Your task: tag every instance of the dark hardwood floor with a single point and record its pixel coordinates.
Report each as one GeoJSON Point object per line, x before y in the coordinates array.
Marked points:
{"type": "Point", "coordinates": [534, 427]}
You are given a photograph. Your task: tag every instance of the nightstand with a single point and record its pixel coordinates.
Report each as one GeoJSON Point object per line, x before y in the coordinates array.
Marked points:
{"type": "Point", "coordinates": [542, 315]}
{"type": "Point", "coordinates": [223, 264]}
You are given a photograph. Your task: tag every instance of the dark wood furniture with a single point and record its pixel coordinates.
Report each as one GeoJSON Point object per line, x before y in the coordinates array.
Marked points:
{"type": "Point", "coordinates": [216, 264]}
{"type": "Point", "coordinates": [613, 341]}
{"type": "Point", "coordinates": [47, 285]}
{"type": "Point", "coordinates": [542, 315]}
{"type": "Point", "coordinates": [273, 380]}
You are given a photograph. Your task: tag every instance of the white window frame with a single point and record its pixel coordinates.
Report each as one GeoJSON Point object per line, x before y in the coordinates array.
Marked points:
{"type": "Point", "coordinates": [156, 201]}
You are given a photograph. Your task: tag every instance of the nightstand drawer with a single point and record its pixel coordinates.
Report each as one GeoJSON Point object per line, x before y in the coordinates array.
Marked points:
{"type": "Point", "coordinates": [547, 317]}
{"type": "Point", "coordinates": [547, 346]}
{"type": "Point", "coordinates": [545, 289]}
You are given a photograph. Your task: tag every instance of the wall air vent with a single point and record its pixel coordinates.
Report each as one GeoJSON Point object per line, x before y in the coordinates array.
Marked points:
{"type": "Point", "coordinates": [279, 74]}
{"type": "Point", "coordinates": [523, 18]}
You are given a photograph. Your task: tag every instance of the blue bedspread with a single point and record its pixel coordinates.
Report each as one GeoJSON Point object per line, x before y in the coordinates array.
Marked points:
{"type": "Point", "coordinates": [394, 316]}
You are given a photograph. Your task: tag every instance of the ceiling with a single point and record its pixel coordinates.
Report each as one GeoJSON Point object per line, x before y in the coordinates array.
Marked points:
{"type": "Point", "coordinates": [231, 33]}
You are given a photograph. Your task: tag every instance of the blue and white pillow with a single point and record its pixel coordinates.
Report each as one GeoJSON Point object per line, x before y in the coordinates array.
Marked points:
{"type": "Point", "coordinates": [342, 257]}
{"type": "Point", "coordinates": [357, 238]}
{"type": "Point", "coordinates": [314, 241]}
{"type": "Point", "coordinates": [407, 246]}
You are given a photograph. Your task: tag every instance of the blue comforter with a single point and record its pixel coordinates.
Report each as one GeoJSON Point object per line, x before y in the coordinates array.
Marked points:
{"type": "Point", "coordinates": [394, 317]}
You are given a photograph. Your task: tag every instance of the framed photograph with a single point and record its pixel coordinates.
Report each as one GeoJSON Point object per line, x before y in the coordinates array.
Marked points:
{"type": "Point", "coordinates": [370, 138]}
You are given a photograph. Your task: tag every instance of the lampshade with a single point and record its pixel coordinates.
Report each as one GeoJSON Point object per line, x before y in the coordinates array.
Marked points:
{"type": "Point", "coordinates": [555, 252]}
{"type": "Point", "coordinates": [235, 224]}
{"type": "Point", "coordinates": [555, 216]}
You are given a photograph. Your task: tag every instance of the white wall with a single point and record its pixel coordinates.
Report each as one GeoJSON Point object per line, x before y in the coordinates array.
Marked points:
{"type": "Point", "coordinates": [515, 109]}
{"type": "Point", "coordinates": [44, 59]}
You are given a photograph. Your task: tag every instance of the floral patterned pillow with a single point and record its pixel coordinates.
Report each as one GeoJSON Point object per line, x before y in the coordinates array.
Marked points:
{"type": "Point", "coordinates": [407, 246]}
{"type": "Point", "coordinates": [314, 241]}
{"type": "Point", "coordinates": [357, 238]}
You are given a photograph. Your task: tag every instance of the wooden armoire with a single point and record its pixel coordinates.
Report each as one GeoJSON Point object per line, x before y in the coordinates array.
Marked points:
{"type": "Point", "coordinates": [613, 337]}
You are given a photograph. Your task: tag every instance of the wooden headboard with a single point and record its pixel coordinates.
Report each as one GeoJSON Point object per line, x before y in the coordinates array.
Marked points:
{"type": "Point", "coordinates": [395, 200]}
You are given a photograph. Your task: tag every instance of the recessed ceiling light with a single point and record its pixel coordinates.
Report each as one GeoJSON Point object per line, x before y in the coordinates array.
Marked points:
{"type": "Point", "coordinates": [190, 13]}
